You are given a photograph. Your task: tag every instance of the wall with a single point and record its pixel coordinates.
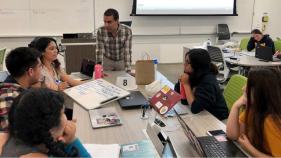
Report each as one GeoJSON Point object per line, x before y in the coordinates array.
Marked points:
{"type": "Point", "coordinates": [168, 48]}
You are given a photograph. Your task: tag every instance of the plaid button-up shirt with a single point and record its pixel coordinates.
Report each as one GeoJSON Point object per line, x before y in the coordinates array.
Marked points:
{"type": "Point", "coordinates": [115, 48]}
{"type": "Point", "coordinates": [8, 92]}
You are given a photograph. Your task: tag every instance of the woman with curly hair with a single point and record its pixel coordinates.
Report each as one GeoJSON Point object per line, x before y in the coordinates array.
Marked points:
{"type": "Point", "coordinates": [38, 127]}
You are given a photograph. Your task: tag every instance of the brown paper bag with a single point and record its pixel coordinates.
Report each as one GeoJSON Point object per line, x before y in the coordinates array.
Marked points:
{"type": "Point", "coordinates": [145, 72]}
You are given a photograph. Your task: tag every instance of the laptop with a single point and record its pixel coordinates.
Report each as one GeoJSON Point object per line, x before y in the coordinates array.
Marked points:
{"type": "Point", "coordinates": [209, 146]}
{"type": "Point", "coordinates": [265, 54]}
{"type": "Point", "coordinates": [86, 71]}
{"type": "Point", "coordinates": [134, 100]}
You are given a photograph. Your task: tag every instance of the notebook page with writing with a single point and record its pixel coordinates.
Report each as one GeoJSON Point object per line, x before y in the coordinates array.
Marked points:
{"type": "Point", "coordinates": [95, 93]}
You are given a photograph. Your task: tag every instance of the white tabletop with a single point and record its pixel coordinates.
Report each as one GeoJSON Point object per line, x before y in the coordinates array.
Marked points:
{"type": "Point", "coordinates": [132, 128]}
{"type": "Point", "coordinates": [248, 59]}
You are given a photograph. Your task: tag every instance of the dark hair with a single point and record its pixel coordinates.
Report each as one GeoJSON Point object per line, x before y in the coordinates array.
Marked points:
{"type": "Point", "coordinates": [41, 43]}
{"type": "Point", "coordinates": [256, 31]}
{"type": "Point", "coordinates": [112, 12]}
{"type": "Point", "coordinates": [200, 62]}
{"type": "Point", "coordinates": [262, 102]}
{"type": "Point", "coordinates": [33, 113]}
{"type": "Point", "coordinates": [19, 60]}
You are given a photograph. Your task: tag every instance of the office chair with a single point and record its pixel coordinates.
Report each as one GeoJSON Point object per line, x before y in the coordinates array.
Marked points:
{"type": "Point", "coordinates": [233, 90]}
{"type": "Point", "coordinates": [277, 45]}
{"type": "Point", "coordinates": [244, 43]}
{"type": "Point", "coordinates": [127, 23]}
{"type": "Point", "coordinates": [217, 58]}
{"type": "Point", "coordinates": [223, 33]}
{"type": "Point", "coordinates": [2, 56]}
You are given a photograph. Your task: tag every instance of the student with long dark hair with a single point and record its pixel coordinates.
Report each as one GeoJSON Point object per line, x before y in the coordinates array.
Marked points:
{"type": "Point", "coordinates": [53, 75]}
{"type": "Point", "coordinates": [201, 86]}
{"type": "Point", "coordinates": [38, 127]}
{"type": "Point", "coordinates": [258, 127]}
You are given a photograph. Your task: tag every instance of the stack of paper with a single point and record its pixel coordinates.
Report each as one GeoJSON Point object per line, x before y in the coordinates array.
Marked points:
{"type": "Point", "coordinates": [103, 150]}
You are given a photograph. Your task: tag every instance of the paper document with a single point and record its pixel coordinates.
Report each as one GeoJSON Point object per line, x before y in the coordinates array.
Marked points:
{"type": "Point", "coordinates": [95, 93]}
{"type": "Point", "coordinates": [103, 150]}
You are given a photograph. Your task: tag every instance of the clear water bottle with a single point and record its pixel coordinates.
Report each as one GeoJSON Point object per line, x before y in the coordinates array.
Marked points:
{"type": "Point", "coordinates": [209, 43]}
{"type": "Point", "coordinates": [155, 62]}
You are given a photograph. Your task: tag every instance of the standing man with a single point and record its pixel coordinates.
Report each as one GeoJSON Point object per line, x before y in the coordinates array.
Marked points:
{"type": "Point", "coordinates": [258, 39]}
{"type": "Point", "coordinates": [114, 43]}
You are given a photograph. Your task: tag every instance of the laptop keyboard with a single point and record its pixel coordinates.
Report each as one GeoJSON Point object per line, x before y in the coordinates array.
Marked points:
{"type": "Point", "coordinates": [211, 147]}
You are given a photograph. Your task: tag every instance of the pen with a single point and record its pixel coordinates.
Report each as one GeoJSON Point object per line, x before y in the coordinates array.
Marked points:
{"type": "Point", "coordinates": [109, 99]}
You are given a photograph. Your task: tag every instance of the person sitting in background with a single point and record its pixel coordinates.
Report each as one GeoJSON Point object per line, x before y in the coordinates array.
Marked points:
{"type": "Point", "coordinates": [258, 39]}
{"type": "Point", "coordinates": [53, 75]}
{"type": "Point", "coordinates": [38, 127]}
{"type": "Point", "coordinates": [25, 67]}
{"type": "Point", "coordinates": [200, 84]}
{"type": "Point", "coordinates": [258, 127]}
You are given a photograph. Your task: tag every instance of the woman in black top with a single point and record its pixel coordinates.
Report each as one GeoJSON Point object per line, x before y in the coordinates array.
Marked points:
{"type": "Point", "coordinates": [201, 86]}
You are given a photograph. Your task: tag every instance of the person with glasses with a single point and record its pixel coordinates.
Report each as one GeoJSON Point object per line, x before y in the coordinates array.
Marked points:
{"type": "Point", "coordinates": [201, 86]}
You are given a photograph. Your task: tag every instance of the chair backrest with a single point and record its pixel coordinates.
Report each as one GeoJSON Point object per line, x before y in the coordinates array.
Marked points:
{"type": "Point", "coordinates": [223, 32]}
{"type": "Point", "coordinates": [244, 43]}
{"type": "Point", "coordinates": [277, 45]}
{"type": "Point", "coordinates": [2, 55]}
{"type": "Point", "coordinates": [215, 53]}
{"type": "Point", "coordinates": [233, 90]}
{"type": "Point", "coordinates": [127, 23]}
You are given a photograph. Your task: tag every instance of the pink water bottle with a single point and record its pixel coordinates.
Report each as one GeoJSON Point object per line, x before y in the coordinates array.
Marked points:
{"type": "Point", "coordinates": [182, 92]}
{"type": "Point", "coordinates": [183, 95]}
{"type": "Point", "coordinates": [98, 71]}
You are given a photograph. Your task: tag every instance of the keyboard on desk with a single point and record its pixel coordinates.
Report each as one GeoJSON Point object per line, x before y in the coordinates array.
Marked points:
{"type": "Point", "coordinates": [211, 147]}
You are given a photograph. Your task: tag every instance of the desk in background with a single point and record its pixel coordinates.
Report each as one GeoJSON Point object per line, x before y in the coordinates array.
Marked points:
{"type": "Point", "coordinates": [132, 128]}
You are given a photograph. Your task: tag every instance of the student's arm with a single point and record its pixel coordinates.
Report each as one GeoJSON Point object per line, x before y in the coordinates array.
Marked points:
{"type": "Point", "coordinates": [70, 81]}
{"type": "Point", "coordinates": [100, 47]}
{"type": "Point", "coordinates": [3, 138]}
{"type": "Point", "coordinates": [233, 127]}
{"type": "Point", "coordinates": [269, 43]}
{"type": "Point", "coordinates": [200, 98]}
{"type": "Point", "coordinates": [128, 51]}
{"type": "Point", "coordinates": [34, 155]}
{"type": "Point", "coordinates": [251, 44]}
{"type": "Point", "coordinates": [184, 80]}
{"type": "Point", "coordinates": [245, 143]}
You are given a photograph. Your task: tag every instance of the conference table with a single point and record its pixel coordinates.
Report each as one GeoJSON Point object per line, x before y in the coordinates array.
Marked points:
{"type": "Point", "coordinates": [133, 127]}
{"type": "Point", "coordinates": [247, 59]}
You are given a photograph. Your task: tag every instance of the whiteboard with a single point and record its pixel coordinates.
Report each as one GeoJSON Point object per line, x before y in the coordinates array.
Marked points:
{"type": "Point", "coordinates": [45, 17]}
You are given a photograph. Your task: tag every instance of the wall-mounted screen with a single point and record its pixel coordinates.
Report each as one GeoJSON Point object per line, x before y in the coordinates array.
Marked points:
{"type": "Point", "coordinates": [184, 7]}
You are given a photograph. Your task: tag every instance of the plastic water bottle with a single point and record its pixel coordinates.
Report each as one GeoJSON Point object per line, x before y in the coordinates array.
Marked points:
{"type": "Point", "coordinates": [98, 71]}
{"type": "Point", "coordinates": [155, 62]}
{"type": "Point", "coordinates": [209, 43]}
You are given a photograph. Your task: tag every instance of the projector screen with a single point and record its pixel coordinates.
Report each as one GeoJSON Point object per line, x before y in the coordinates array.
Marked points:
{"type": "Point", "coordinates": [184, 7]}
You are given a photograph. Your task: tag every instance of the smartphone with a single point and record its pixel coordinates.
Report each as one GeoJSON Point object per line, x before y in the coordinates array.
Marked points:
{"type": "Point", "coordinates": [220, 135]}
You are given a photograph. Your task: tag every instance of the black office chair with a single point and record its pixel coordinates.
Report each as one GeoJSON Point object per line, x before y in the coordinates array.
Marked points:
{"type": "Point", "coordinates": [217, 58]}
{"type": "Point", "coordinates": [127, 23]}
{"type": "Point", "coordinates": [223, 33]}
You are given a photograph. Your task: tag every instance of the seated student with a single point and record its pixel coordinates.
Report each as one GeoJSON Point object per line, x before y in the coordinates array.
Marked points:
{"type": "Point", "coordinates": [258, 39]}
{"type": "Point", "coordinates": [201, 86]}
{"type": "Point", "coordinates": [53, 75]}
{"type": "Point", "coordinates": [24, 66]}
{"type": "Point", "coordinates": [258, 127]}
{"type": "Point", "coordinates": [38, 126]}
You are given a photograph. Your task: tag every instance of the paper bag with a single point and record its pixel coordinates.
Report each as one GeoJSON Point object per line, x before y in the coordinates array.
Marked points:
{"type": "Point", "coordinates": [145, 72]}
